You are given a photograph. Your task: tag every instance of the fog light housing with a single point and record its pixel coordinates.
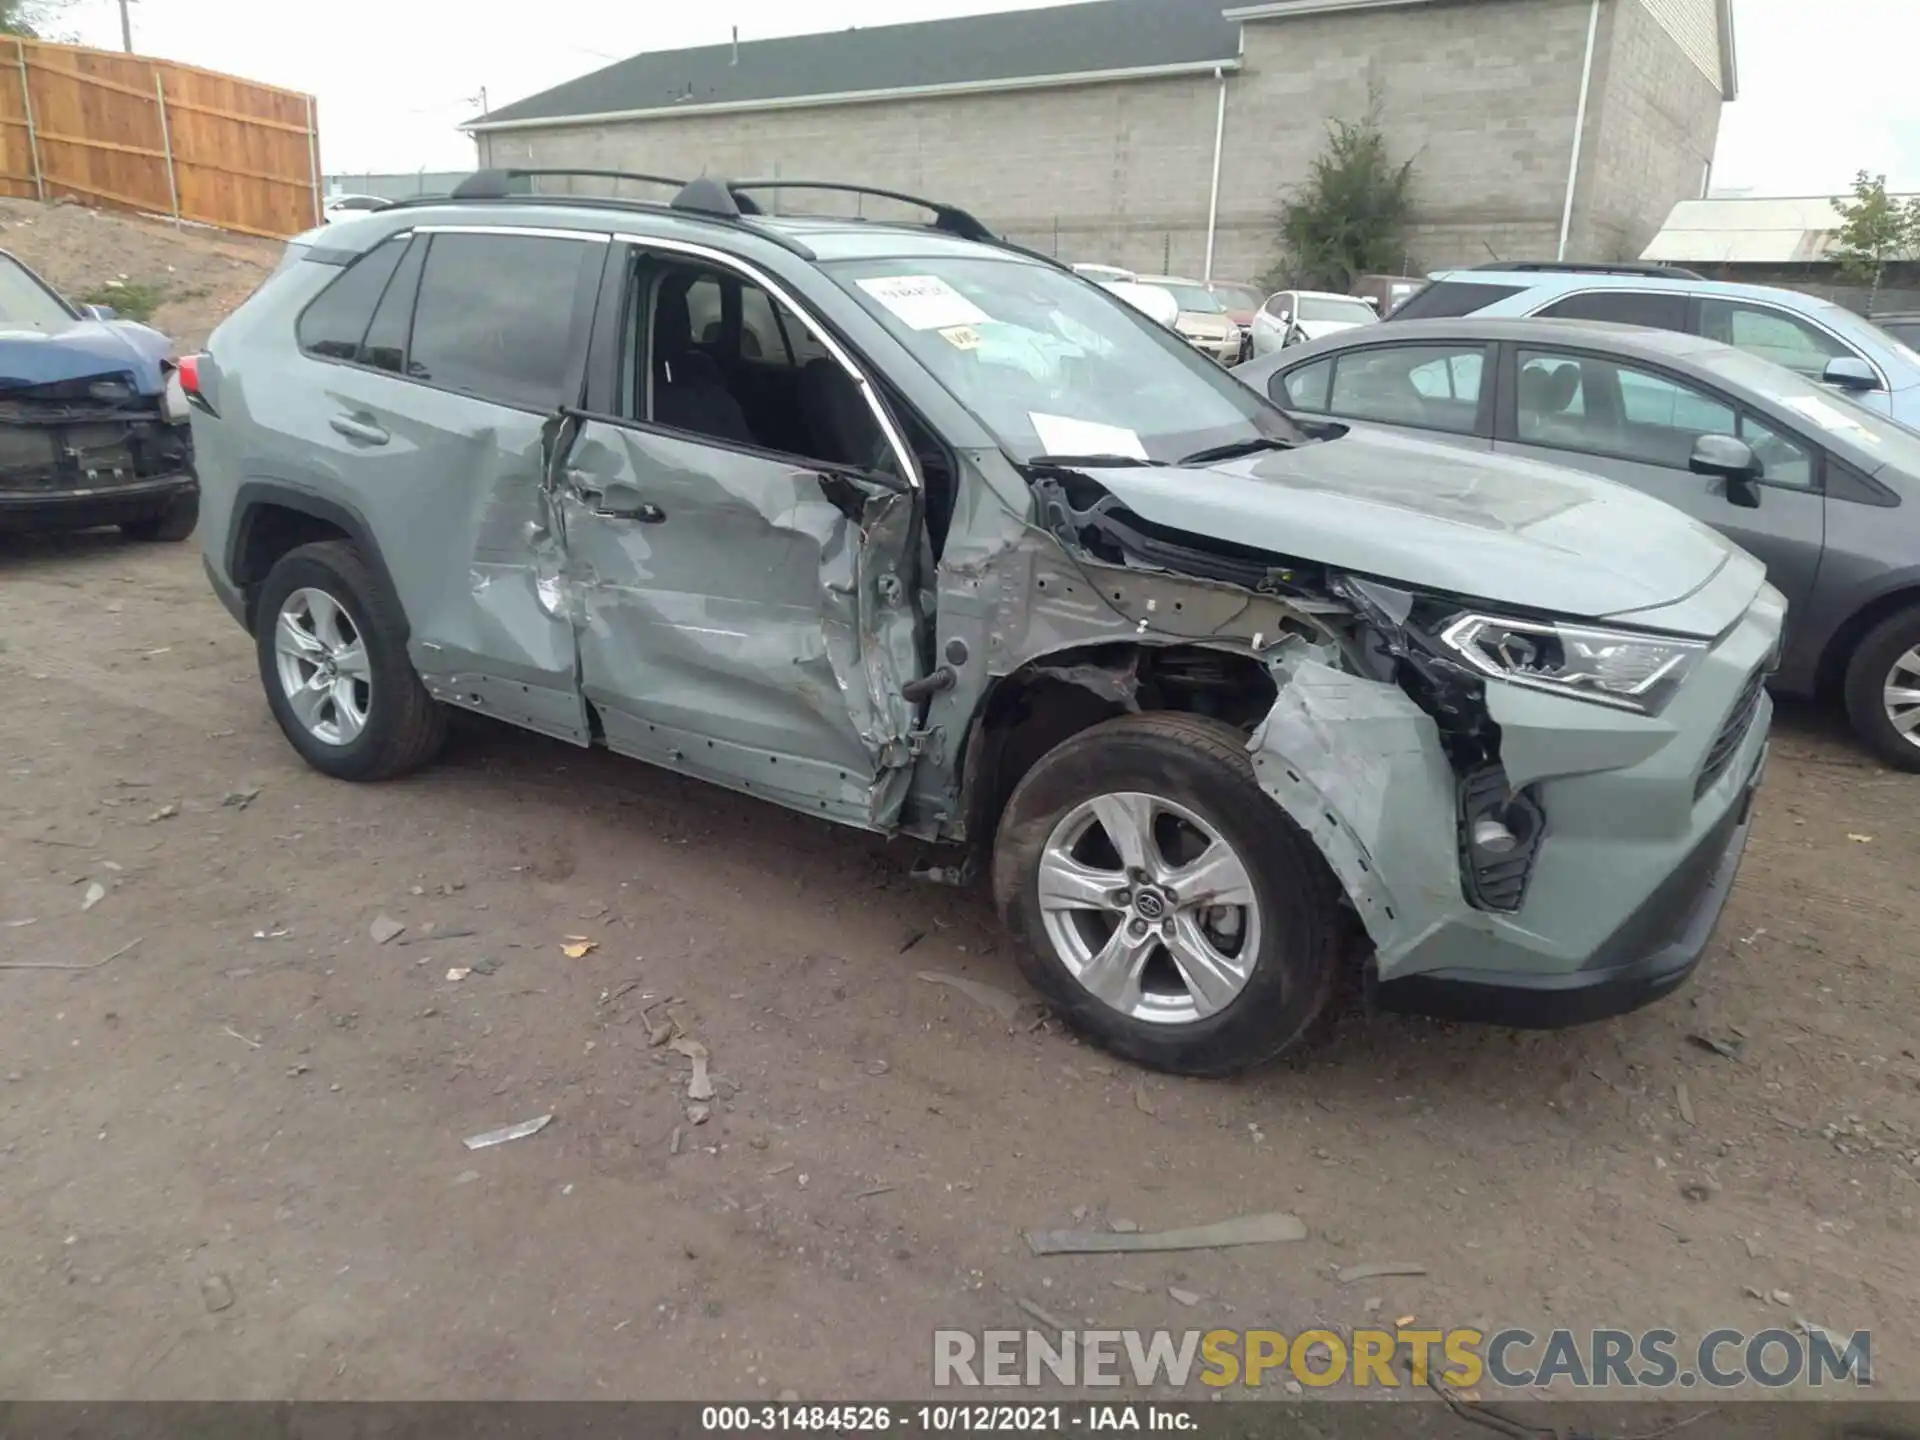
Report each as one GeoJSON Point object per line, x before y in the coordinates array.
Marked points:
{"type": "Point", "coordinates": [1500, 833]}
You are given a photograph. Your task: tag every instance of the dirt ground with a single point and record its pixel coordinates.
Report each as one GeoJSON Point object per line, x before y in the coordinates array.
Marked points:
{"type": "Point", "coordinates": [231, 1161]}
{"type": "Point", "coordinates": [257, 1100]}
{"type": "Point", "coordinates": [200, 274]}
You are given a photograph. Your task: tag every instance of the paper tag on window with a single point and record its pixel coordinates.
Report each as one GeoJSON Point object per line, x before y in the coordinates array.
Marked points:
{"type": "Point", "coordinates": [1063, 435]}
{"type": "Point", "coordinates": [961, 337]}
{"type": "Point", "coordinates": [924, 302]}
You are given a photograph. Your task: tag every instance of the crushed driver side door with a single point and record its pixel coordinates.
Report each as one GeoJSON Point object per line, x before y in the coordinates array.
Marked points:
{"type": "Point", "coordinates": [741, 614]}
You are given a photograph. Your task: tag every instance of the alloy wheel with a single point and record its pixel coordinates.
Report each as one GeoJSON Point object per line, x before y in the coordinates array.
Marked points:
{"type": "Point", "coordinates": [322, 663]}
{"type": "Point", "coordinates": [1149, 908]}
{"type": "Point", "coordinates": [1901, 695]}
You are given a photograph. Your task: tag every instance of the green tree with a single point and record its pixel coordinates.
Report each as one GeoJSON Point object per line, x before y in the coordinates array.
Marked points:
{"type": "Point", "coordinates": [1350, 216]}
{"type": "Point", "coordinates": [1875, 229]}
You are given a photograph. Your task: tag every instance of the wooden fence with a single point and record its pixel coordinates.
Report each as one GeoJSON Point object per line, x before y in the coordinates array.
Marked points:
{"type": "Point", "coordinates": [156, 136]}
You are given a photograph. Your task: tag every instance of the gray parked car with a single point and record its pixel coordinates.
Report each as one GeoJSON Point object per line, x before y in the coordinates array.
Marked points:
{"type": "Point", "coordinates": [922, 533]}
{"type": "Point", "coordinates": [1825, 493]}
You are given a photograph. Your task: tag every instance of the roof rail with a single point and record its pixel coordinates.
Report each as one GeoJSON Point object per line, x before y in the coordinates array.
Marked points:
{"type": "Point", "coordinates": [1583, 267]}
{"type": "Point", "coordinates": [710, 195]}
{"type": "Point", "coordinates": [498, 184]}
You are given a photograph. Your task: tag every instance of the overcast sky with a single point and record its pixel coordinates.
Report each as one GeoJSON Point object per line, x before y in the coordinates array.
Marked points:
{"type": "Point", "coordinates": [1826, 86]}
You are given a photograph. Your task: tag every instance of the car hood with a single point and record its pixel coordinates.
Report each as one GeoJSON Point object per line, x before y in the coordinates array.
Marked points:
{"type": "Point", "coordinates": [81, 350]}
{"type": "Point", "coordinates": [1432, 517]}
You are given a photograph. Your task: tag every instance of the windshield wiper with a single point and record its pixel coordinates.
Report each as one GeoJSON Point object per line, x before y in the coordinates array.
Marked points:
{"type": "Point", "coordinates": [1086, 462]}
{"type": "Point", "coordinates": [1234, 451]}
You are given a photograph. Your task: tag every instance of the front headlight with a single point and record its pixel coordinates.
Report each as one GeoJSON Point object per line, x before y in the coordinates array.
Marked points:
{"type": "Point", "coordinates": [1620, 668]}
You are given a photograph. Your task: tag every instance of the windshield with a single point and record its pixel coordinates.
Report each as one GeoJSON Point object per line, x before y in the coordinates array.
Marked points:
{"type": "Point", "coordinates": [1239, 297]}
{"type": "Point", "coordinates": [1347, 312]}
{"type": "Point", "coordinates": [1054, 366]}
{"type": "Point", "coordinates": [1879, 440]}
{"type": "Point", "coordinates": [27, 304]}
{"type": "Point", "coordinates": [1194, 297]}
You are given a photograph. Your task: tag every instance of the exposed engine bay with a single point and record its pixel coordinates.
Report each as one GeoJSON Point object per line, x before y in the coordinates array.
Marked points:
{"type": "Point", "coordinates": [1367, 627]}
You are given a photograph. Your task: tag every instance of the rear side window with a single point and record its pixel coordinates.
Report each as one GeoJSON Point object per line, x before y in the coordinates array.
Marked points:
{"type": "Point", "coordinates": [1444, 298]}
{"type": "Point", "coordinates": [504, 317]}
{"type": "Point", "coordinates": [1623, 307]}
{"type": "Point", "coordinates": [385, 345]}
{"type": "Point", "coordinates": [1302, 389]}
{"type": "Point", "coordinates": [338, 317]}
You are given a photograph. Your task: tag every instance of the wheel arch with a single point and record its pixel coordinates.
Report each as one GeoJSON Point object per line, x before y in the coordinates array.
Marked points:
{"type": "Point", "coordinates": [1836, 654]}
{"type": "Point", "coordinates": [1052, 697]}
{"type": "Point", "coordinates": [271, 518]}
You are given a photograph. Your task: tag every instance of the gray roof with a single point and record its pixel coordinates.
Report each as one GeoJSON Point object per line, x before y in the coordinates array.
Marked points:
{"type": "Point", "coordinates": [977, 50]}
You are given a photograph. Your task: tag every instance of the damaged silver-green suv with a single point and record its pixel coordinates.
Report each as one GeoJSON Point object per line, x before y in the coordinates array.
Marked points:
{"type": "Point", "coordinates": [902, 526]}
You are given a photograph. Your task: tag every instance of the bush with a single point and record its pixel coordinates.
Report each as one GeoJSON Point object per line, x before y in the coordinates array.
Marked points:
{"type": "Point", "coordinates": [133, 299]}
{"type": "Point", "coordinates": [1350, 217]}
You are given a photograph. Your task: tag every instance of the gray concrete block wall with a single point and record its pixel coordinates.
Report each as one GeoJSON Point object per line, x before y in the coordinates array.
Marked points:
{"type": "Point", "coordinates": [1654, 120]}
{"type": "Point", "coordinates": [1092, 172]}
{"type": "Point", "coordinates": [1480, 94]}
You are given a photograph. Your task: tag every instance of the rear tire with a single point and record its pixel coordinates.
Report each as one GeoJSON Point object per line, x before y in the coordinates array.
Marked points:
{"type": "Point", "coordinates": [1883, 689]}
{"type": "Point", "coordinates": [1265, 948]}
{"type": "Point", "coordinates": [174, 523]}
{"type": "Point", "coordinates": [334, 664]}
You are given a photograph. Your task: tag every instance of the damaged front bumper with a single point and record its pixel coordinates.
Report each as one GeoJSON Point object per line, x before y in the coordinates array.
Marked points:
{"type": "Point", "coordinates": [1645, 820]}
{"type": "Point", "coordinates": [77, 508]}
{"type": "Point", "coordinates": [70, 459]}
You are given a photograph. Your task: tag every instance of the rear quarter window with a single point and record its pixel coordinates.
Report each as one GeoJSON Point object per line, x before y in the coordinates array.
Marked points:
{"type": "Point", "coordinates": [1444, 298]}
{"type": "Point", "coordinates": [335, 322]}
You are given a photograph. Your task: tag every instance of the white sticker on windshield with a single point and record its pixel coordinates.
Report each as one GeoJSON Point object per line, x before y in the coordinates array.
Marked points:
{"type": "Point", "coordinates": [1829, 416]}
{"type": "Point", "coordinates": [1063, 435]}
{"type": "Point", "coordinates": [924, 302]}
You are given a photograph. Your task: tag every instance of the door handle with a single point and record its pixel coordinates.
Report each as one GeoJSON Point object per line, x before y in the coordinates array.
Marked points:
{"type": "Point", "coordinates": [645, 511]}
{"type": "Point", "coordinates": [365, 431]}
{"type": "Point", "coordinates": [617, 501]}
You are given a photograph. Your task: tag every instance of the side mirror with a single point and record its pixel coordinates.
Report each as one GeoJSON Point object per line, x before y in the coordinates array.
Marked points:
{"type": "Point", "coordinates": [103, 312]}
{"type": "Point", "coordinates": [1850, 372]}
{"type": "Point", "coordinates": [1734, 461]}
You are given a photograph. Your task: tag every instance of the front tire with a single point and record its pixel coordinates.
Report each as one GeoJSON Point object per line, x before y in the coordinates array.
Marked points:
{"type": "Point", "coordinates": [334, 664]}
{"type": "Point", "coordinates": [1165, 905]}
{"type": "Point", "coordinates": [1883, 689]}
{"type": "Point", "coordinates": [173, 524]}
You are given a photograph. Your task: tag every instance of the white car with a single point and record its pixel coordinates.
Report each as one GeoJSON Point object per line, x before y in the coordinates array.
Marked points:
{"type": "Point", "coordinates": [1291, 316]}
{"type": "Point", "coordinates": [1103, 274]}
{"type": "Point", "coordinates": [345, 207]}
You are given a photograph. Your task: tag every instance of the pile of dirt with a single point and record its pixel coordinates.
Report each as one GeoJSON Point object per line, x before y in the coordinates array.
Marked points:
{"type": "Point", "coordinates": [198, 275]}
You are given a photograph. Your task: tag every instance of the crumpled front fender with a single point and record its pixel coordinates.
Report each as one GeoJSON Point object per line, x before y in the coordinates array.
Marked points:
{"type": "Point", "coordinates": [1359, 767]}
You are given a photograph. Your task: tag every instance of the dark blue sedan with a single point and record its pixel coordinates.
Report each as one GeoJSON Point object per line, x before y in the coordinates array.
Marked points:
{"type": "Point", "coordinates": [93, 425]}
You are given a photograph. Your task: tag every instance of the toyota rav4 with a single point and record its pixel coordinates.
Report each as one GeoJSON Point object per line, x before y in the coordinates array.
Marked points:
{"type": "Point", "coordinates": [903, 526]}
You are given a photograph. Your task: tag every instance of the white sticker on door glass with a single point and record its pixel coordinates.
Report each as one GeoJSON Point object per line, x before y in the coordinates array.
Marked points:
{"type": "Point", "coordinates": [1063, 435]}
{"type": "Point", "coordinates": [924, 302]}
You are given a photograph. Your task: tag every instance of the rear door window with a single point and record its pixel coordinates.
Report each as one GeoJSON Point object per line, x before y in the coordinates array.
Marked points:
{"type": "Point", "coordinates": [504, 317]}
{"type": "Point", "coordinates": [334, 323]}
{"type": "Point", "coordinates": [1650, 309]}
{"type": "Point", "coordinates": [1446, 298]}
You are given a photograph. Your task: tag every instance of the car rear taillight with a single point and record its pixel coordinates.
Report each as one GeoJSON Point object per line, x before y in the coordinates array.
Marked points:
{"type": "Point", "coordinates": [190, 375]}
